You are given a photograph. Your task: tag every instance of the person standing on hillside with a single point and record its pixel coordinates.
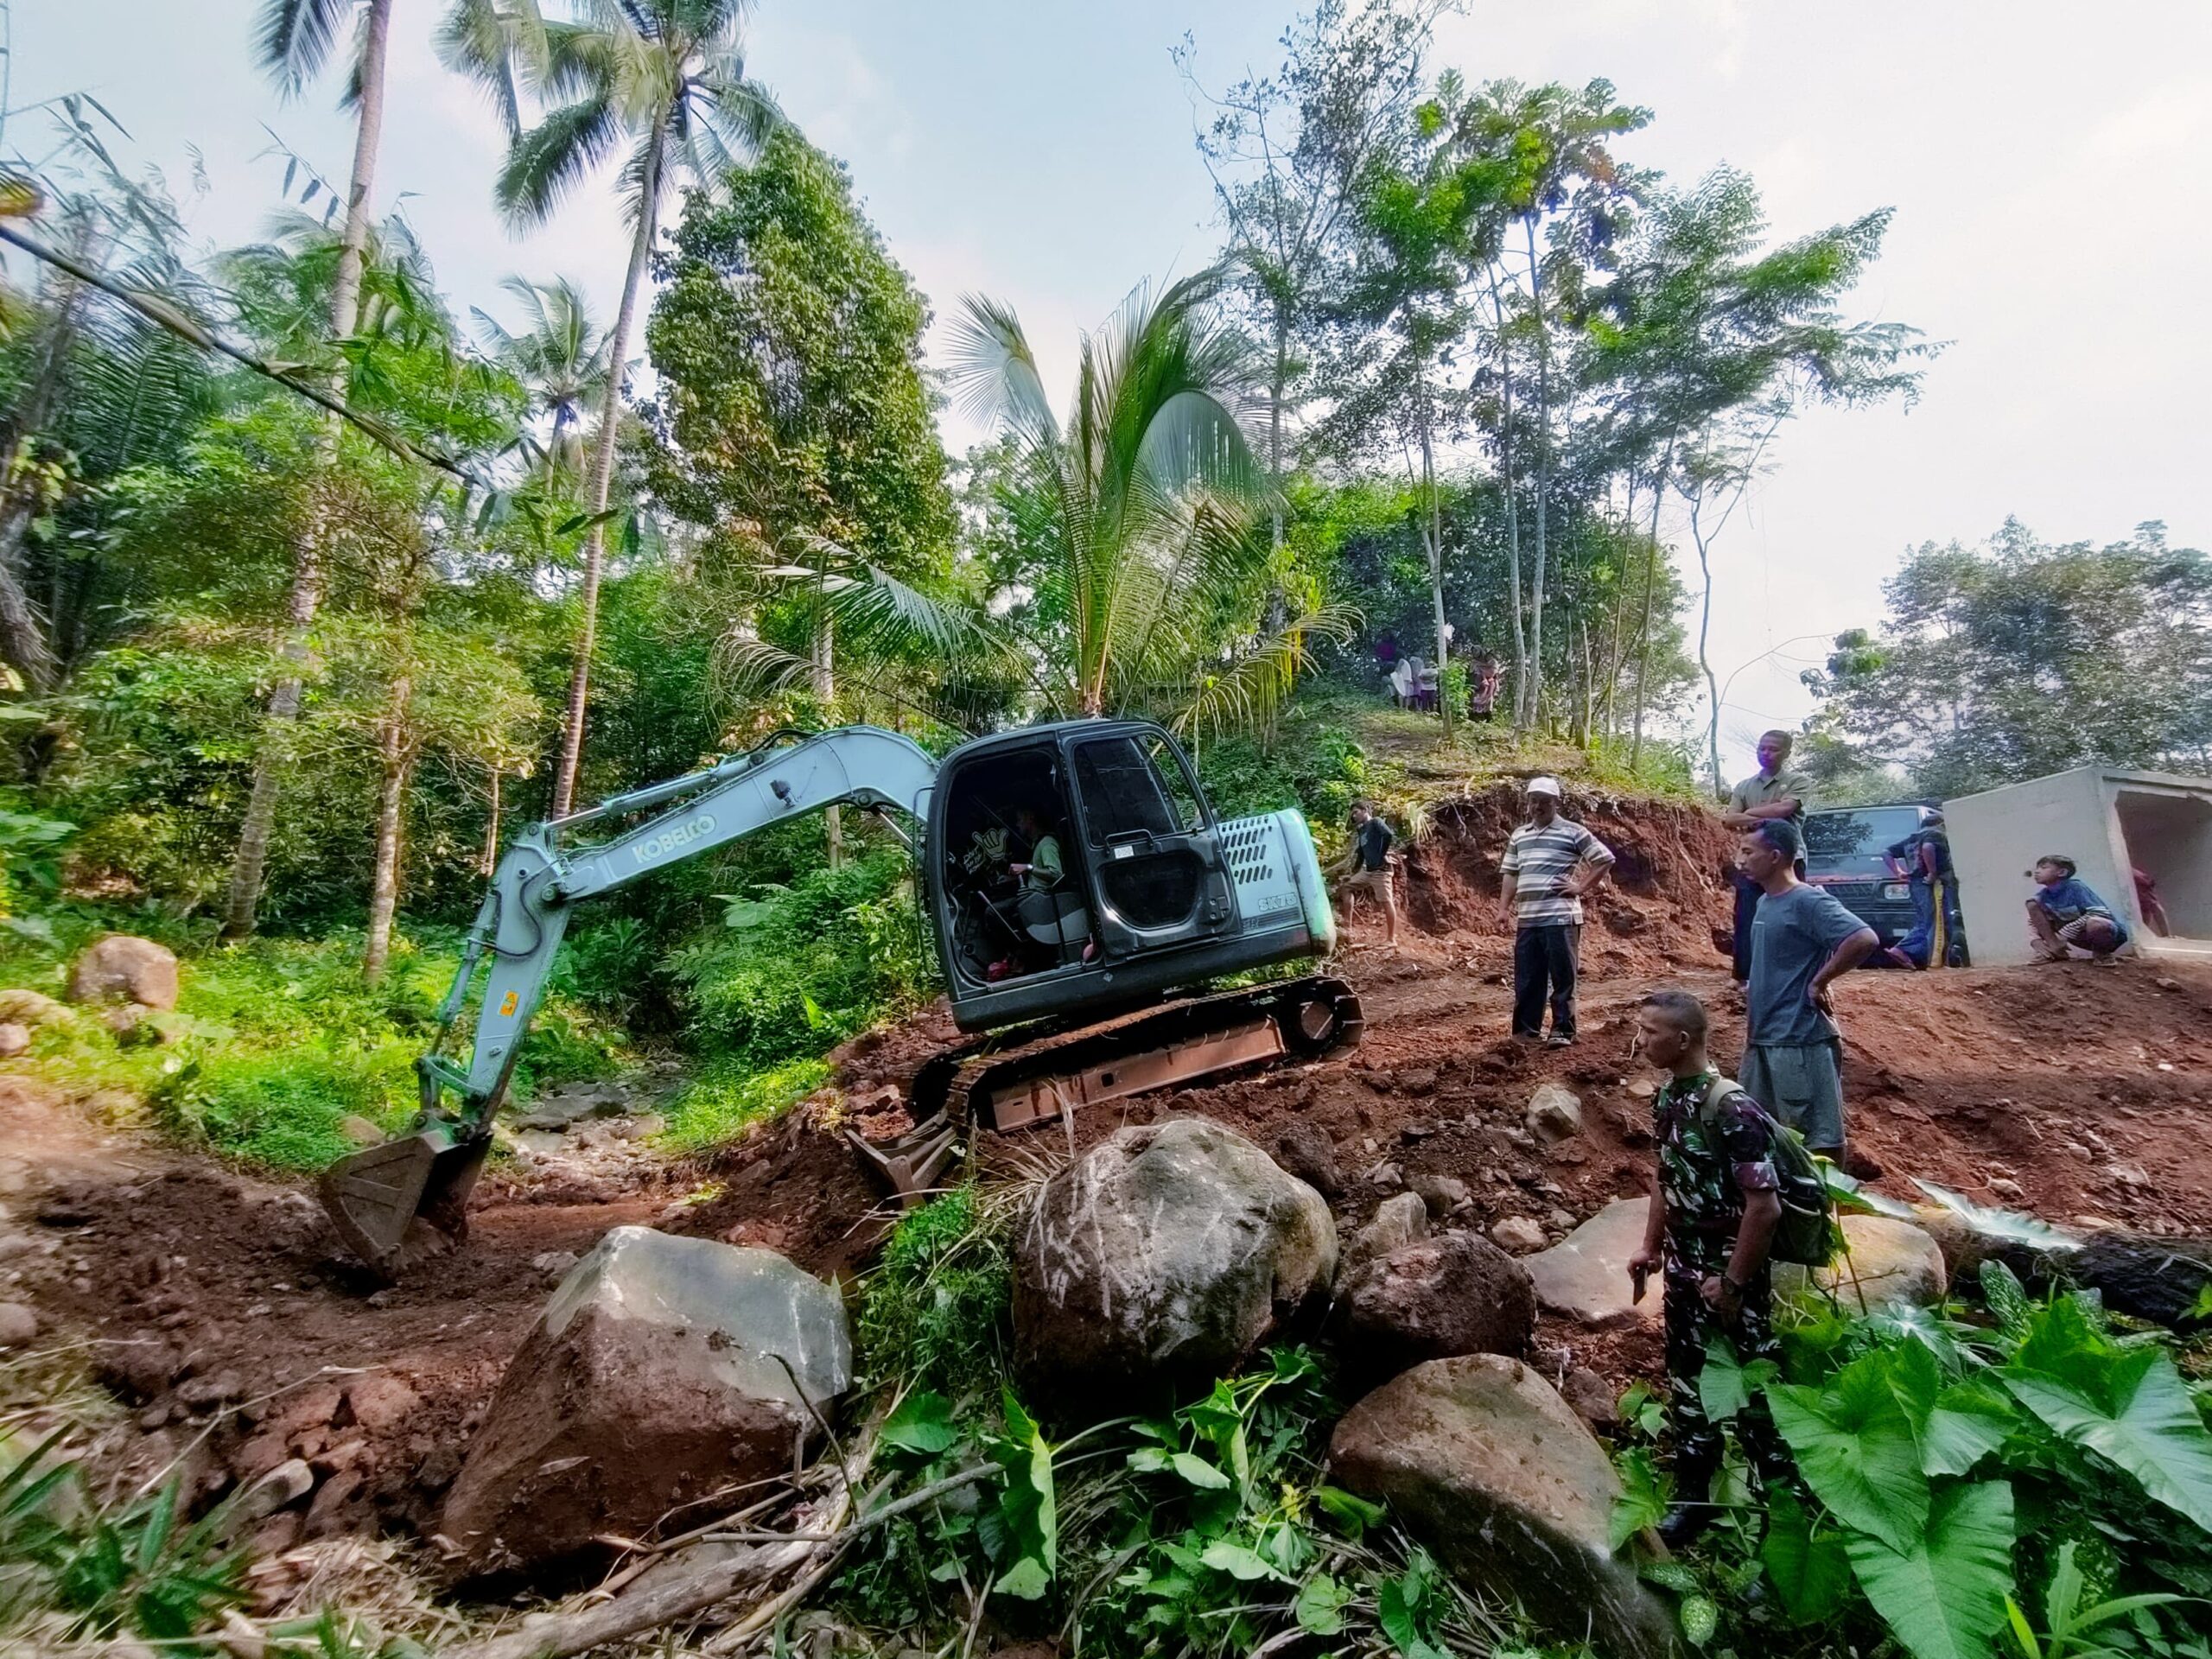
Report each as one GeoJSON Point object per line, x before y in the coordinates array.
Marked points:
{"type": "Point", "coordinates": [1774, 792]}
{"type": "Point", "coordinates": [1710, 1228]}
{"type": "Point", "coordinates": [1365, 867]}
{"type": "Point", "coordinates": [1550, 862]}
{"type": "Point", "coordinates": [1803, 939]}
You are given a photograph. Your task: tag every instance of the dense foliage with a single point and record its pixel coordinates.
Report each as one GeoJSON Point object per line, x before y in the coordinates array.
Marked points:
{"type": "Point", "coordinates": [2013, 660]}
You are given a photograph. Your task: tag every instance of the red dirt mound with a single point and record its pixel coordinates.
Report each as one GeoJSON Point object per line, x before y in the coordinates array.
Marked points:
{"type": "Point", "coordinates": [1661, 905]}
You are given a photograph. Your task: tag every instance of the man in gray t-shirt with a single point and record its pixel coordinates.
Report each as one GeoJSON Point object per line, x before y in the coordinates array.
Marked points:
{"type": "Point", "coordinates": [1801, 940]}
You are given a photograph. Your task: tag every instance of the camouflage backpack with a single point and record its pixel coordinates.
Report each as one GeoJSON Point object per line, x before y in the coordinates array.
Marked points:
{"type": "Point", "coordinates": [1807, 1232]}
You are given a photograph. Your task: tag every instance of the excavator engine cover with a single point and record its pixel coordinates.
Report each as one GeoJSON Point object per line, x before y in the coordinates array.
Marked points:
{"type": "Point", "coordinates": [375, 1197]}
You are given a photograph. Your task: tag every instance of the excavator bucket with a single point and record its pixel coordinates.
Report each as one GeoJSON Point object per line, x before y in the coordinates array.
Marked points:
{"type": "Point", "coordinates": [380, 1200]}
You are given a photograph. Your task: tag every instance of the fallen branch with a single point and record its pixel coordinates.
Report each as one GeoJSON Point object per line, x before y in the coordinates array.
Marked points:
{"type": "Point", "coordinates": [767, 1557]}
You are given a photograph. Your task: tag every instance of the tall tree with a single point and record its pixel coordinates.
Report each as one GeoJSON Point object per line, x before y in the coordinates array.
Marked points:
{"type": "Point", "coordinates": [560, 358]}
{"type": "Point", "coordinates": [665, 79]}
{"type": "Point", "coordinates": [1552, 146]}
{"type": "Point", "coordinates": [292, 42]}
{"type": "Point", "coordinates": [2020, 658]}
{"type": "Point", "coordinates": [1704, 346]}
{"type": "Point", "coordinates": [1402, 312]}
{"type": "Point", "coordinates": [1287, 154]}
{"type": "Point", "coordinates": [792, 412]}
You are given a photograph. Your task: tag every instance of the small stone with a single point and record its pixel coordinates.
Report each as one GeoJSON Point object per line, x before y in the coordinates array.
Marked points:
{"type": "Point", "coordinates": [1419, 1129]}
{"type": "Point", "coordinates": [1644, 1088]}
{"type": "Point", "coordinates": [28, 1007]}
{"type": "Point", "coordinates": [1441, 1194]}
{"type": "Point", "coordinates": [2165, 984]}
{"type": "Point", "coordinates": [1306, 1151]}
{"type": "Point", "coordinates": [2129, 1175]}
{"type": "Point", "coordinates": [1554, 1113]}
{"type": "Point", "coordinates": [1561, 1219]}
{"type": "Point", "coordinates": [1519, 1235]}
{"type": "Point", "coordinates": [553, 1265]}
{"type": "Point", "coordinates": [1418, 1081]}
{"type": "Point", "coordinates": [1592, 1397]}
{"type": "Point", "coordinates": [282, 1487]}
{"type": "Point", "coordinates": [2009, 1191]}
{"type": "Point", "coordinates": [1385, 1174]}
{"type": "Point", "coordinates": [154, 1417]}
{"type": "Point", "coordinates": [359, 1131]}
{"type": "Point", "coordinates": [14, 1040]}
{"type": "Point", "coordinates": [123, 967]}
{"type": "Point", "coordinates": [1397, 1222]}
{"type": "Point", "coordinates": [205, 1392]}
{"type": "Point", "coordinates": [18, 1324]}
{"type": "Point", "coordinates": [380, 1402]}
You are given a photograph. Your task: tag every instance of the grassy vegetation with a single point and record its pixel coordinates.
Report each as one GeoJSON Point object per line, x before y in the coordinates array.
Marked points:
{"type": "Point", "coordinates": [275, 1042]}
{"type": "Point", "coordinates": [726, 1096]}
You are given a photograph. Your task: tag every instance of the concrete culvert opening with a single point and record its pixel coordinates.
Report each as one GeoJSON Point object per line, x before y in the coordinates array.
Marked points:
{"type": "Point", "coordinates": [2169, 837]}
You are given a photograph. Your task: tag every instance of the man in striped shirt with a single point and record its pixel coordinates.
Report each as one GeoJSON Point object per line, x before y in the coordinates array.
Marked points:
{"type": "Point", "coordinates": [1550, 862]}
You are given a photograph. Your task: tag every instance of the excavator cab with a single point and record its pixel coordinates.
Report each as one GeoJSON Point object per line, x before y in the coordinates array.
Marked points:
{"type": "Point", "coordinates": [1143, 880]}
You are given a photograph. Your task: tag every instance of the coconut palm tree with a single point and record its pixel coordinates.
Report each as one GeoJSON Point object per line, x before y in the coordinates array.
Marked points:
{"type": "Point", "coordinates": [1138, 568]}
{"type": "Point", "coordinates": [292, 43]}
{"type": "Point", "coordinates": [560, 358]}
{"type": "Point", "coordinates": [662, 81]}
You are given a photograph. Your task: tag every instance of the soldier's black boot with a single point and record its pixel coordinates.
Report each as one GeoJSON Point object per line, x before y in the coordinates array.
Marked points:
{"type": "Point", "coordinates": [1683, 1524]}
{"type": "Point", "coordinates": [1690, 1514]}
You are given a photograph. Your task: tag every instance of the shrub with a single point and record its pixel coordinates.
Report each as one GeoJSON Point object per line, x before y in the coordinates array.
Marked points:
{"type": "Point", "coordinates": [726, 1096]}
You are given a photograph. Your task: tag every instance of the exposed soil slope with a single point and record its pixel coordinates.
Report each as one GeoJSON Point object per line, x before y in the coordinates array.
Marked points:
{"type": "Point", "coordinates": [216, 1305]}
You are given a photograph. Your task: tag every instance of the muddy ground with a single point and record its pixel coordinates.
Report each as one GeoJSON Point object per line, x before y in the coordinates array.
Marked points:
{"type": "Point", "coordinates": [215, 1307]}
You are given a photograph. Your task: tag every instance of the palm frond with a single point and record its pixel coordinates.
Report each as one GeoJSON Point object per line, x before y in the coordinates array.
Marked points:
{"type": "Point", "coordinates": [1252, 689]}
{"type": "Point", "coordinates": [994, 371]}
{"type": "Point", "coordinates": [292, 39]}
{"type": "Point", "coordinates": [553, 158]}
{"type": "Point", "coordinates": [490, 41]}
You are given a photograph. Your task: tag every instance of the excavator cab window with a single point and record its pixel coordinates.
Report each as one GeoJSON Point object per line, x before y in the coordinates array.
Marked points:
{"type": "Point", "coordinates": [1154, 858]}
{"type": "Point", "coordinates": [1018, 906]}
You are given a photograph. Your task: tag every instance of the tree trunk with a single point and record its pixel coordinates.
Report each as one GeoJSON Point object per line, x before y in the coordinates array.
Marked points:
{"type": "Point", "coordinates": [1512, 511]}
{"type": "Point", "coordinates": [603, 472]}
{"type": "Point", "coordinates": [1651, 585]}
{"type": "Point", "coordinates": [1274, 422]}
{"type": "Point", "coordinates": [250, 862]}
{"type": "Point", "coordinates": [391, 799]}
{"type": "Point", "coordinates": [1543, 467]}
{"type": "Point", "coordinates": [825, 691]}
{"type": "Point", "coordinates": [23, 639]}
{"type": "Point", "coordinates": [1433, 536]}
{"type": "Point", "coordinates": [1704, 662]}
{"type": "Point", "coordinates": [491, 831]}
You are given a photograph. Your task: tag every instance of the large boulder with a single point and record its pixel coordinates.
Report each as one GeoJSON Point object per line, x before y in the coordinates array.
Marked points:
{"type": "Point", "coordinates": [1887, 1261]}
{"type": "Point", "coordinates": [124, 968]}
{"type": "Point", "coordinates": [1585, 1276]}
{"type": "Point", "coordinates": [1161, 1258]}
{"type": "Point", "coordinates": [662, 1370]}
{"type": "Point", "coordinates": [1433, 1299]}
{"type": "Point", "coordinates": [1483, 1460]}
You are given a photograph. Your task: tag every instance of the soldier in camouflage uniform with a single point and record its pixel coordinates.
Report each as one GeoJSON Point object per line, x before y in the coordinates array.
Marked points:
{"type": "Point", "coordinates": [1711, 1223]}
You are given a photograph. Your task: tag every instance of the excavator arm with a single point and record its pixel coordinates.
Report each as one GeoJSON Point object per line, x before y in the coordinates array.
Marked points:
{"type": "Point", "coordinates": [374, 1198]}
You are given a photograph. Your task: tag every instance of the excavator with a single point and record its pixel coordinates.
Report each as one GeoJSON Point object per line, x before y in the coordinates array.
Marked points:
{"type": "Point", "coordinates": [1082, 895]}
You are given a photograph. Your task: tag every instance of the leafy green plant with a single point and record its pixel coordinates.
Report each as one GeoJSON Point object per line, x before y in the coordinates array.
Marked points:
{"type": "Point", "coordinates": [938, 1306]}
{"type": "Point", "coordinates": [140, 1569]}
{"type": "Point", "coordinates": [1944, 1464]}
{"type": "Point", "coordinates": [724, 1097]}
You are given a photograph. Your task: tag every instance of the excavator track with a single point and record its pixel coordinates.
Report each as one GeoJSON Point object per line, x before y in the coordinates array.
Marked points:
{"type": "Point", "coordinates": [1019, 1081]}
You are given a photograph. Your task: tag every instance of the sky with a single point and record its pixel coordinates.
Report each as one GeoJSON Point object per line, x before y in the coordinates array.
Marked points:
{"type": "Point", "coordinates": [2044, 161]}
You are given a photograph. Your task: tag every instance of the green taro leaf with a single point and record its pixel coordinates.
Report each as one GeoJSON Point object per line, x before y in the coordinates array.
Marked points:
{"type": "Point", "coordinates": [2007, 1225]}
{"type": "Point", "coordinates": [2142, 1418]}
{"type": "Point", "coordinates": [1025, 1579]}
{"type": "Point", "coordinates": [1643, 1502]}
{"type": "Point", "coordinates": [1320, 1606]}
{"type": "Point", "coordinates": [1808, 1569]}
{"type": "Point", "coordinates": [1969, 1422]}
{"type": "Point", "coordinates": [1397, 1610]}
{"type": "Point", "coordinates": [1944, 1593]}
{"type": "Point", "coordinates": [1726, 1385]}
{"type": "Point", "coordinates": [922, 1425]}
{"type": "Point", "coordinates": [1858, 1449]}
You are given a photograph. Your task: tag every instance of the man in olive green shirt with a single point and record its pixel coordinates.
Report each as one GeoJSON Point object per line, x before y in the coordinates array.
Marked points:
{"type": "Point", "coordinates": [1775, 792]}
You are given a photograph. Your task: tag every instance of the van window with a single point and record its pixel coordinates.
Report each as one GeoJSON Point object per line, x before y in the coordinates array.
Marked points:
{"type": "Point", "coordinates": [1850, 840]}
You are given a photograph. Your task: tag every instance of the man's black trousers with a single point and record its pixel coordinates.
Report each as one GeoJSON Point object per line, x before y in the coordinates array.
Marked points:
{"type": "Point", "coordinates": [1543, 964]}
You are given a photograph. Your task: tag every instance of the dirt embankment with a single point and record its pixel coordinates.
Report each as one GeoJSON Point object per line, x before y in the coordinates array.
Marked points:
{"type": "Point", "coordinates": [219, 1313]}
